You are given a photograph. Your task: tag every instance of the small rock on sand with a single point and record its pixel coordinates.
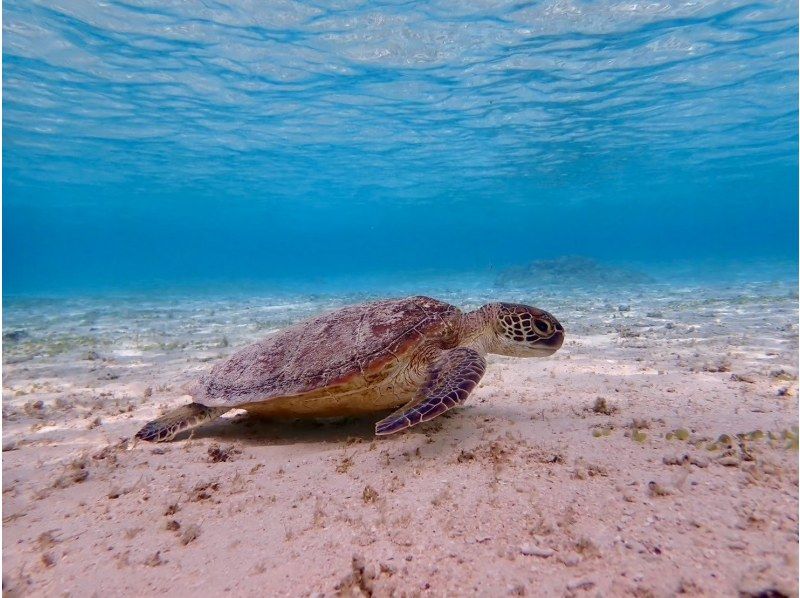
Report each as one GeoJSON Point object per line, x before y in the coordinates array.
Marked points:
{"type": "Point", "coordinates": [532, 550]}
{"type": "Point", "coordinates": [190, 534]}
{"type": "Point", "coordinates": [571, 560]}
{"type": "Point", "coordinates": [580, 584]}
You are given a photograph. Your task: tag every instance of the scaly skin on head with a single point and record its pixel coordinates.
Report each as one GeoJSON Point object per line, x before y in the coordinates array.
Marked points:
{"type": "Point", "coordinates": [511, 329]}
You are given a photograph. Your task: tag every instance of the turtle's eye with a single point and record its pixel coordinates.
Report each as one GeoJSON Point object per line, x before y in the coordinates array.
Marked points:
{"type": "Point", "coordinates": [542, 326]}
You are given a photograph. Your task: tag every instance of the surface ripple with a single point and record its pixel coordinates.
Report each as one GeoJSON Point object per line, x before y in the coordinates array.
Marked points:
{"type": "Point", "coordinates": [421, 100]}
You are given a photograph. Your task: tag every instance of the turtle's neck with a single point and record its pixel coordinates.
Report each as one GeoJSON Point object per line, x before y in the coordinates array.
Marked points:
{"type": "Point", "coordinates": [477, 331]}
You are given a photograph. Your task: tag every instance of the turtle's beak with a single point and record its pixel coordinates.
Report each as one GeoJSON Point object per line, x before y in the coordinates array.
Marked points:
{"type": "Point", "coordinates": [554, 342]}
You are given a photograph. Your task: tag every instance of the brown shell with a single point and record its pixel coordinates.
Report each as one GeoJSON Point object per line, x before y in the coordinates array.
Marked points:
{"type": "Point", "coordinates": [342, 348]}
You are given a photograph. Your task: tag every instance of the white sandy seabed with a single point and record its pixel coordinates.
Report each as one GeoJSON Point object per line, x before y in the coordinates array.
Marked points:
{"type": "Point", "coordinates": [655, 454]}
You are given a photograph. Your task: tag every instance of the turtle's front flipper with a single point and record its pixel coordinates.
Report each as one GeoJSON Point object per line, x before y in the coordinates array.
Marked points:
{"type": "Point", "coordinates": [450, 380]}
{"type": "Point", "coordinates": [169, 425]}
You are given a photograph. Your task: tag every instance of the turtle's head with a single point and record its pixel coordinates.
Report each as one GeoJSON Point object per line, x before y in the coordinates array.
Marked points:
{"type": "Point", "coordinates": [524, 331]}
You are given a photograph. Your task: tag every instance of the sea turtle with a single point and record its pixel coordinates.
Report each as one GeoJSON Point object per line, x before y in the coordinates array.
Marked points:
{"type": "Point", "coordinates": [419, 354]}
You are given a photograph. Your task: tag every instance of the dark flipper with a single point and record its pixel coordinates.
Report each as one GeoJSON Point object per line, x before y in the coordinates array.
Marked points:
{"type": "Point", "coordinates": [172, 423]}
{"type": "Point", "coordinates": [450, 380]}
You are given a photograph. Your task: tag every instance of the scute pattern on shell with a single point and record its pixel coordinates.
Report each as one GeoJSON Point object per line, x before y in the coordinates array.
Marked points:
{"type": "Point", "coordinates": [327, 351]}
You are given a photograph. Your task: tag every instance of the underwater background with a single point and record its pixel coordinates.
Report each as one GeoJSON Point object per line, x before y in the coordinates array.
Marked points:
{"type": "Point", "coordinates": [296, 146]}
{"type": "Point", "coordinates": [182, 178]}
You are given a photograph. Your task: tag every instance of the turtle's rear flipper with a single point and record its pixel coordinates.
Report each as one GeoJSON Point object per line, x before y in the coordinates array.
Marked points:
{"type": "Point", "coordinates": [172, 423]}
{"type": "Point", "coordinates": [450, 380]}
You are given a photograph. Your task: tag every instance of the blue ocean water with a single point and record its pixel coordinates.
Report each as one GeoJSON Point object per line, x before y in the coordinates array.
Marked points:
{"type": "Point", "coordinates": [182, 178]}
{"type": "Point", "coordinates": [304, 145]}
